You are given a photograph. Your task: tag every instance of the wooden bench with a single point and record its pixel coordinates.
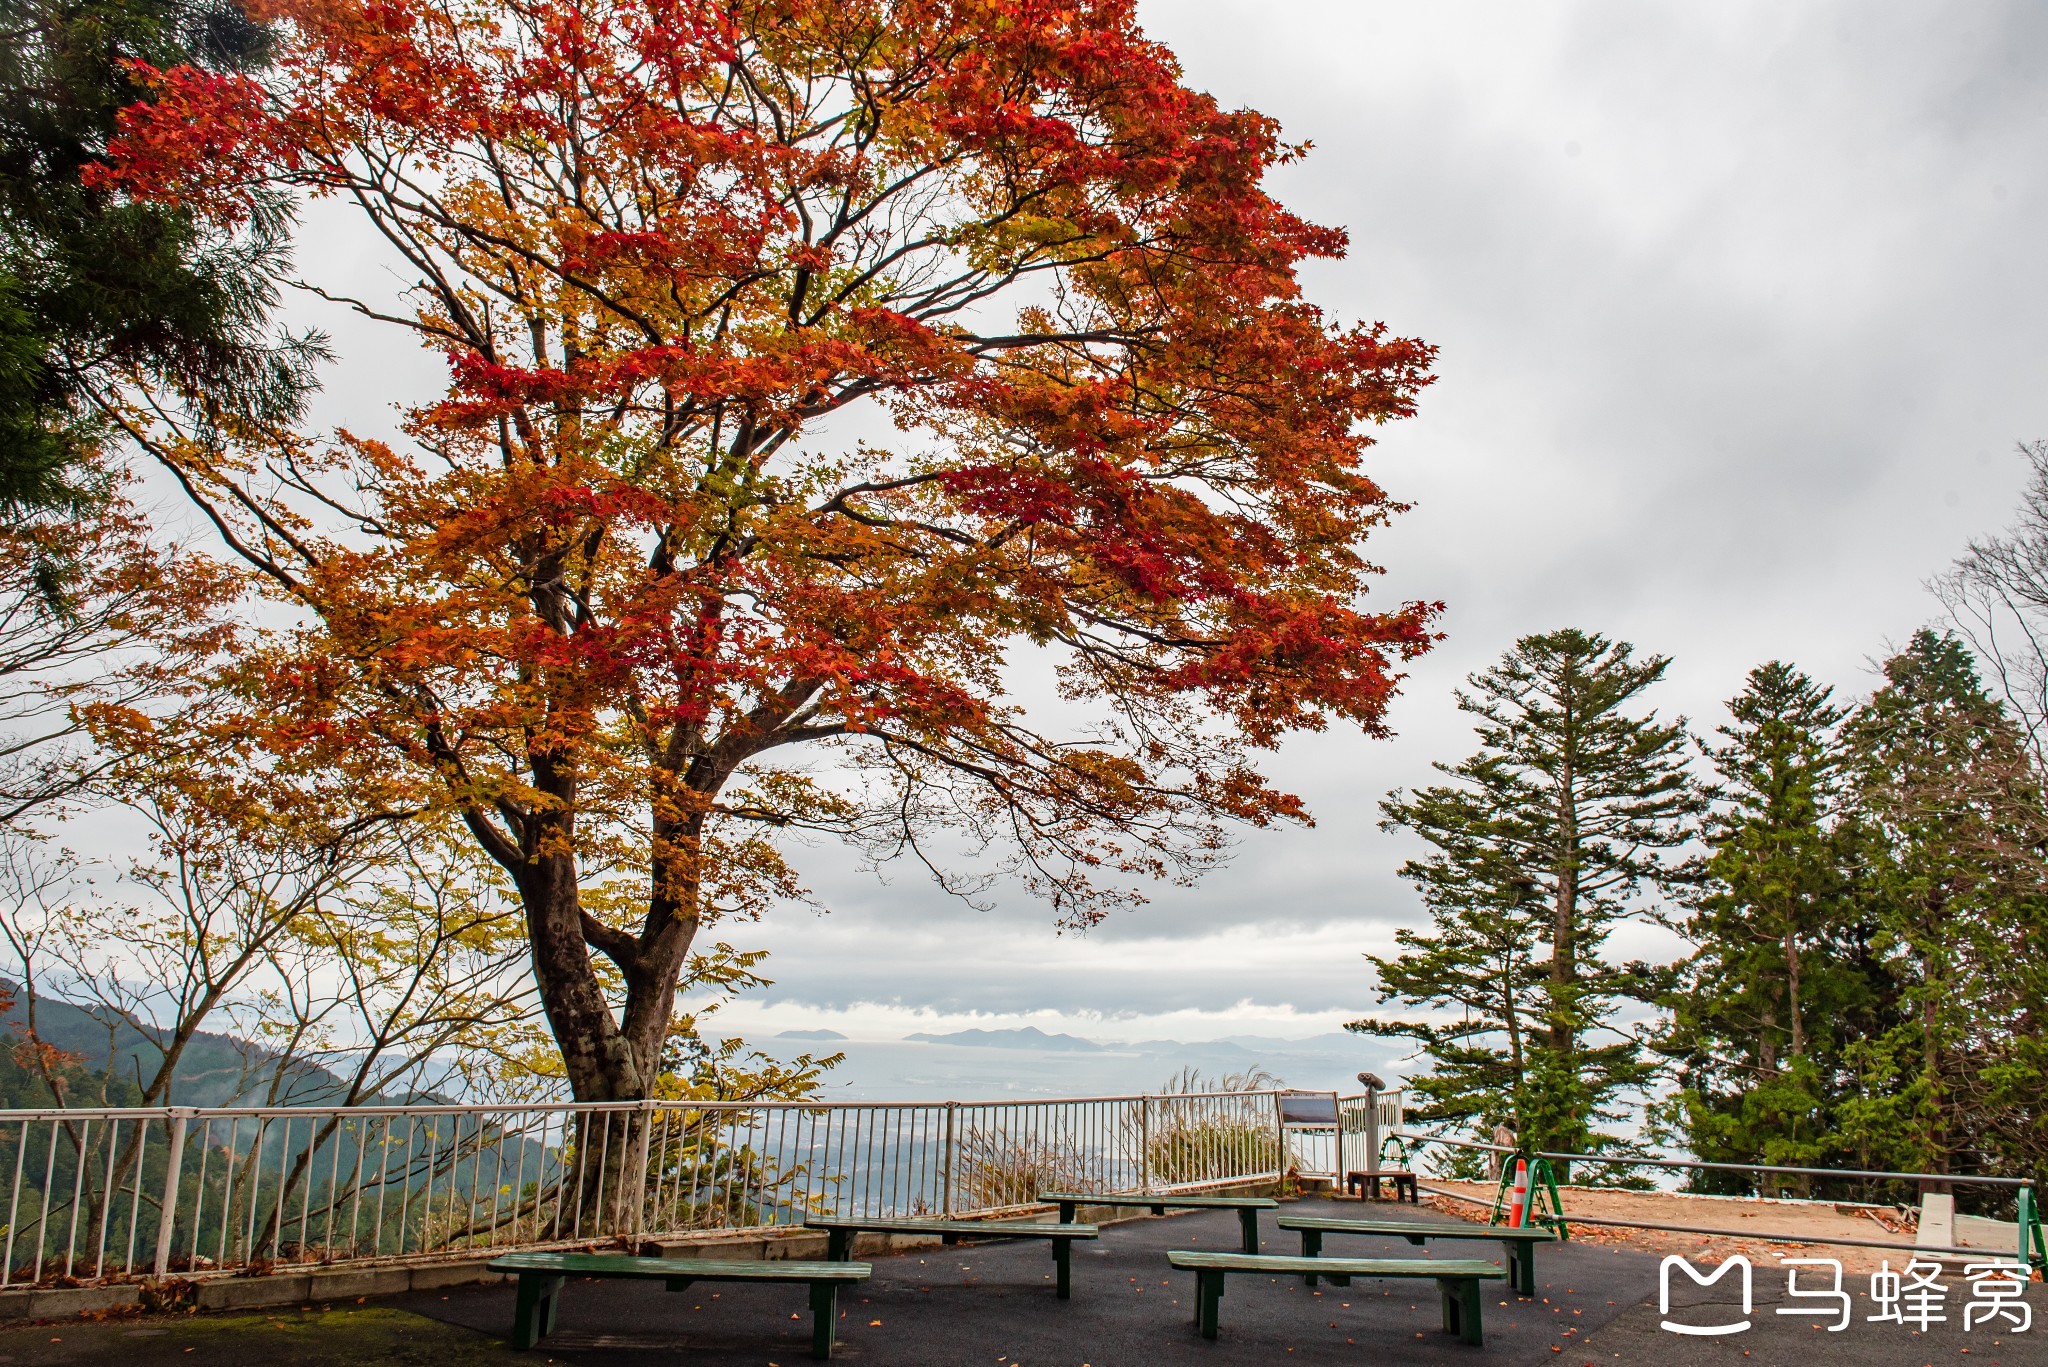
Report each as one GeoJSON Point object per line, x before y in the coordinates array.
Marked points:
{"type": "Point", "coordinates": [1358, 1183]}
{"type": "Point", "coordinates": [840, 1235]}
{"type": "Point", "coordinates": [1247, 1207]}
{"type": "Point", "coordinates": [541, 1276]}
{"type": "Point", "coordinates": [1520, 1244]}
{"type": "Point", "coordinates": [1457, 1281]}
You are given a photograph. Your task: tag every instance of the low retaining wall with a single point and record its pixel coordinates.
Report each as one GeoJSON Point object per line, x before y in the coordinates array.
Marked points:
{"type": "Point", "coordinates": [314, 1285]}
{"type": "Point", "coordinates": [296, 1287]}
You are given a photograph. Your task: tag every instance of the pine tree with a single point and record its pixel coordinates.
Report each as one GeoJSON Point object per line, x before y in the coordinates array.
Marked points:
{"type": "Point", "coordinates": [1571, 816]}
{"type": "Point", "coordinates": [1948, 829]}
{"type": "Point", "coordinates": [1782, 971]}
{"type": "Point", "coordinates": [96, 287]}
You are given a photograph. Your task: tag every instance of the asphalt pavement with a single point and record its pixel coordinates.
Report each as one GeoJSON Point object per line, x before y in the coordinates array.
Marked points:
{"type": "Point", "coordinates": [993, 1305]}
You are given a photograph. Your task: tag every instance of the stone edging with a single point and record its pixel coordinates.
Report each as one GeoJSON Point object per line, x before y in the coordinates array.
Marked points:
{"type": "Point", "coordinates": [227, 1292]}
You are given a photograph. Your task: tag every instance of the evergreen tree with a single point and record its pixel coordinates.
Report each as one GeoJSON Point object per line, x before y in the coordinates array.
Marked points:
{"type": "Point", "coordinates": [1782, 974]}
{"type": "Point", "coordinates": [1948, 831]}
{"type": "Point", "coordinates": [95, 287]}
{"type": "Point", "coordinates": [1570, 817]}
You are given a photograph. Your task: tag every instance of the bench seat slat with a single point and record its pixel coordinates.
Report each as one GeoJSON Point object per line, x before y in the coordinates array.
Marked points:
{"type": "Point", "coordinates": [1518, 1242]}
{"type": "Point", "coordinates": [542, 1276]}
{"type": "Point", "coordinates": [1457, 1281]}
{"type": "Point", "coordinates": [1525, 1233]}
{"type": "Point", "coordinates": [1125, 1198]}
{"type": "Point", "coordinates": [841, 1234]}
{"type": "Point", "coordinates": [1247, 1207]}
{"type": "Point", "coordinates": [654, 1269]}
{"type": "Point", "coordinates": [1005, 1229]}
{"type": "Point", "coordinates": [1352, 1267]}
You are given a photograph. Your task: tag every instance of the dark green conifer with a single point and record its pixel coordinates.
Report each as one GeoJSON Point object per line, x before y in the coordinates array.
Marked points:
{"type": "Point", "coordinates": [1948, 834]}
{"type": "Point", "coordinates": [1570, 817]}
{"type": "Point", "coordinates": [1782, 972]}
{"type": "Point", "coordinates": [96, 288]}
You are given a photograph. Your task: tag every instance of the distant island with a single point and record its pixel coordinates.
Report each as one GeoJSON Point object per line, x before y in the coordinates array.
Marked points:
{"type": "Point", "coordinates": [810, 1034]}
{"type": "Point", "coordinates": [1030, 1037]}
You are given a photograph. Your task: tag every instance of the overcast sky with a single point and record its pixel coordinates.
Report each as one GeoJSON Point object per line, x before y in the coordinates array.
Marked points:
{"type": "Point", "coordinates": [1742, 309]}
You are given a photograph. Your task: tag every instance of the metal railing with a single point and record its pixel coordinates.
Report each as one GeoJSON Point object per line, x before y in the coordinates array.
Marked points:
{"type": "Point", "coordinates": [1364, 1123]}
{"type": "Point", "coordinates": [2030, 1231]}
{"type": "Point", "coordinates": [108, 1194]}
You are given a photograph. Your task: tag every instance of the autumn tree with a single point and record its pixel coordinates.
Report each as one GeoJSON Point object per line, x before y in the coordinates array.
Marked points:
{"type": "Point", "coordinates": [99, 621]}
{"type": "Point", "coordinates": [645, 589]}
{"type": "Point", "coordinates": [1572, 815]}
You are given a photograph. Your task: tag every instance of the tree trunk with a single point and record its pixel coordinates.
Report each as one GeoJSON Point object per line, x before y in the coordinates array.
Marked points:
{"type": "Point", "coordinates": [606, 1058]}
{"type": "Point", "coordinates": [600, 1064]}
{"type": "Point", "coordinates": [1563, 947]}
{"type": "Point", "coordinates": [1797, 1027]}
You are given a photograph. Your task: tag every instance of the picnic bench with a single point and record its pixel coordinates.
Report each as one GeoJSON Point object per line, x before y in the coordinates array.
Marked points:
{"type": "Point", "coordinates": [1363, 1184]}
{"type": "Point", "coordinates": [1519, 1243]}
{"type": "Point", "coordinates": [1247, 1207]}
{"type": "Point", "coordinates": [1457, 1281]}
{"type": "Point", "coordinates": [541, 1276]}
{"type": "Point", "coordinates": [840, 1234]}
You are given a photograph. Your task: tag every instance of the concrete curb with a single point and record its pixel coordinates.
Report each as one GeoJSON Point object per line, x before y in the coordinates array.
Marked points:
{"type": "Point", "coordinates": [250, 1293]}
{"type": "Point", "coordinates": [326, 1284]}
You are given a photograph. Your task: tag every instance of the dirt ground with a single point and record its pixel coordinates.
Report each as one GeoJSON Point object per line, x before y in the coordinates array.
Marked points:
{"type": "Point", "coordinates": [1738, 1215]}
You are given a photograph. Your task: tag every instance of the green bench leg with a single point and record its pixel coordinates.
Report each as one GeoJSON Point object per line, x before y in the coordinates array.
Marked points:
{"type": "Point", "coordinates": [1311, 1247]}
{"type": "Point", "coordinates": [838, 1243]}
{"type": "Point", "coordinates": [1249, 1218]}
{"type": "Point", "coordinates": [1063, 1265]}
{"type": "Point", "coordinates": [1461, 1308]}
{"type": "Point", "coordinates": [824, 1317]}
{"type": "Point", "coordinates": [1208, 1295]}
{"type": "Point", "coordinates": [533, 1308]}
{"type": "Point", "coordinates": [1067, 1212]}
{"type": "Point", "coordinates": [1521, 1266]}
{"type": "Point", "coordinates": [1159, 1210]}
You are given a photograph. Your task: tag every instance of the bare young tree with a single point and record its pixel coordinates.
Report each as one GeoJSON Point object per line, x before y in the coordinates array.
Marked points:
{"type": "Point", "coordinates": [1996, 595]}
{"type": "Point", "coordinates": [393, 987]}
{"type": "Point", "coordinates": [218, 901]}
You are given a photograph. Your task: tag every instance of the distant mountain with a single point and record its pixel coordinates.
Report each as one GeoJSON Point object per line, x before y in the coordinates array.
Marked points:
{"type": "Point", "coordinates": [811, 1034]}
{"type": "Point", "coordinates": [214, 1070]}
{"type": "Point", "coordinates": [1030, 1037]}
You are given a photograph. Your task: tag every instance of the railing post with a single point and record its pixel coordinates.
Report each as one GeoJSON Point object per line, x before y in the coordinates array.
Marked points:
{"type": "Point", "coordinates": [946, 1158]}
{"type": "Point", "coordinates": [1280, 1136]}
{"type": "Point", "coordinates": [1372, 1131]}
{"type": "Point", "coordinates": [1145, 1142]}
{"type": "Point", "coordinates": [167, 1215]}
{"type": "Point", "coordinates": [636, 1226]}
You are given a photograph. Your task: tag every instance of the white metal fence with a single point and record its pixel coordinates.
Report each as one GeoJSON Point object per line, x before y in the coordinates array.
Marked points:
{"type": "Point", "coordinates": [101, 1194]}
